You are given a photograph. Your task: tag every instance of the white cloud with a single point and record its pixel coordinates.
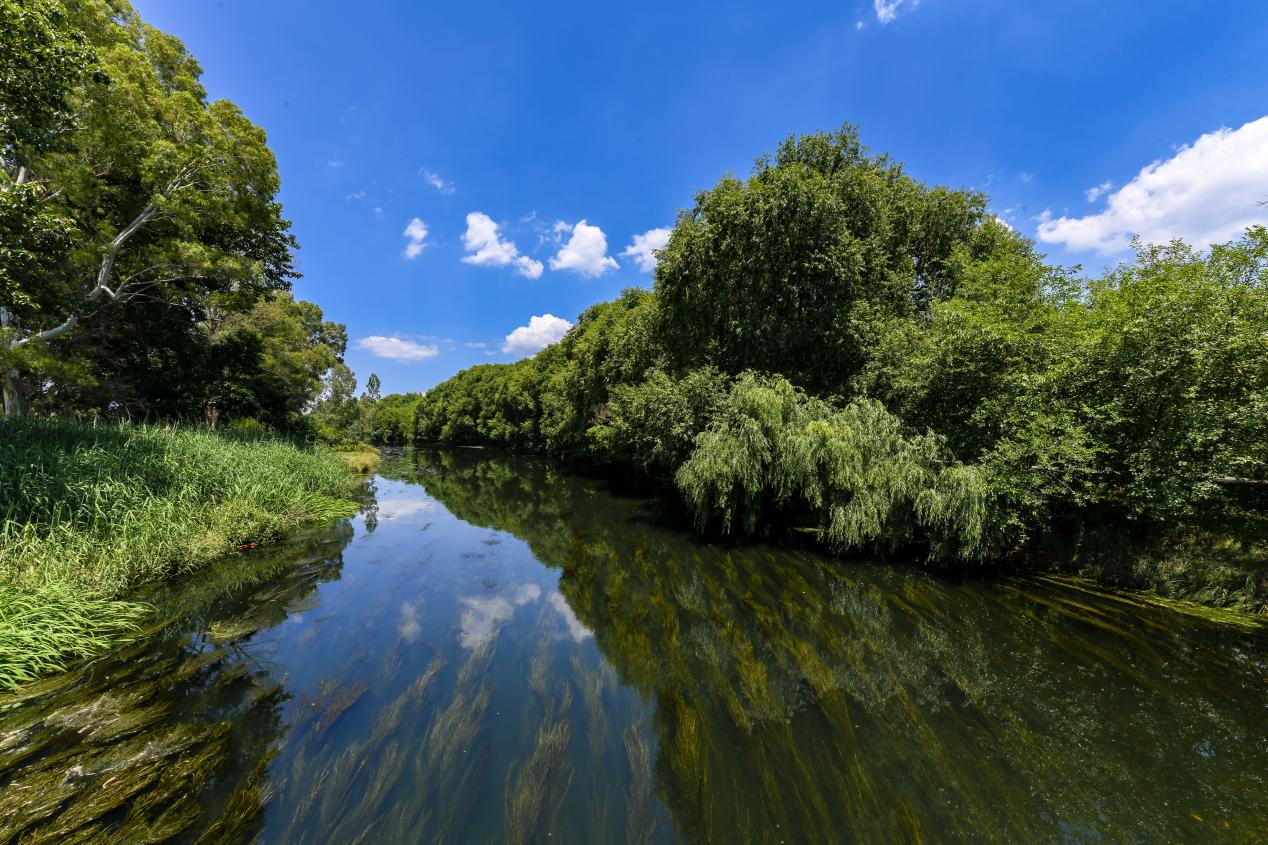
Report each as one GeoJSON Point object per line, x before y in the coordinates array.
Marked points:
{"type": "Point", "coordinates": [482, 620]}
{"type": "Point", "coordinates": [1025, 177]}
{"type": "Point", "coordinates": [486, 247]}
{"type": "Point", "coordinates": [1208, 192]}
{"type": "Point", "coordinates": [1095, 192]}
{"type": "Point", "coordinates": [887, 10]}
{"type": "Point", "coordinates": [409, 627]}
{"type": "Point", "coordinates": [641, 248]}
{"type": "Point", "coordinates": [403, 506]}
{"type": "Point", "coordinates": [576, 630]}
{"type": "Point", "coordinates": [334, 164]}
{"type": "Point", "coordinates": [355, 195]}
{"type": "Point", "coordinates": [1001, 221]}
{"type": "Point", "coordinates": [397, 349]}
{"type": "Point", "coordinates": [416, 234]}
{"type": "Point", "coordinates": [539, 333]}
{"type": "Point", "coordinates": [433, 179]}
{"type": "Point", "coordinates": [485, 616]}
{"type": "Point", "coordinates": [586, 251]}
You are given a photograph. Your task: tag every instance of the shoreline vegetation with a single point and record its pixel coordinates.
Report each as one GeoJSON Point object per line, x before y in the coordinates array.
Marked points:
{"type": "Point", "coordinates": [831, 343]}
{"type": "Point", "coordinates": [828, 343]}
{"type": "Point", "coordinates": [95, 511]}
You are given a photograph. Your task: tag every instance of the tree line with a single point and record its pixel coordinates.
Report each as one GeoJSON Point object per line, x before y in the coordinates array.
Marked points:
{"type": "Point", "coordinates": [830, 342]}
{"type": "Point", "coordinates": [145, 263]}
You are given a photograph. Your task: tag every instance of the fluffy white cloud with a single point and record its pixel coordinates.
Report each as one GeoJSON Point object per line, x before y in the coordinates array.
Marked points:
{"type": "Point", "coordinates": [1095, 192]}
{"type": "Point", "coordinates": [486, 247]}
{"type": "Point", "coordinates": [1208, 192]}
{"type": "Point", "coordinates": [576, 630]}
{"type": "Point", "coordinates": [433, 179]}
{"type": "Point", "coordinates": [416, 236]}
{"type": "Point", "coordinates": [586, 251]}
{"type": "Point", "coordinates": [540, 332]}
{"type": "Point", "coordinates": [887, 10]}
{"type": "Point", "coordinates": [641, 249]}
{"type": "Point", "coordinates": [397, 349]}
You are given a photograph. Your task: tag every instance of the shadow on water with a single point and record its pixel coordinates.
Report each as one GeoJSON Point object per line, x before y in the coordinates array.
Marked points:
{"type": "Point", "coordinates": [496, 651]}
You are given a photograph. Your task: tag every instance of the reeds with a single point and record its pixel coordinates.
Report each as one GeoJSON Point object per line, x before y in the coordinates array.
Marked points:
{"type": "Point", "coordinates": [90, 512]}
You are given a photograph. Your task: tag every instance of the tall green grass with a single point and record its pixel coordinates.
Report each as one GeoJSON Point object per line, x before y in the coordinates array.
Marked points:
{"type": "Point", "coordinates": [89, 512]}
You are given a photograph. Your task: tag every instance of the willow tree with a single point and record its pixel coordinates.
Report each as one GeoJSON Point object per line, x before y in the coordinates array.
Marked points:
{"type": "Point", "coordinates": [153, 193]}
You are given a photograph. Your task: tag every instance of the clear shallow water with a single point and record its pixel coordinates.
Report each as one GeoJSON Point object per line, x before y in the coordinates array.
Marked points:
{"type": "Point", "coordinates": [498, 652]}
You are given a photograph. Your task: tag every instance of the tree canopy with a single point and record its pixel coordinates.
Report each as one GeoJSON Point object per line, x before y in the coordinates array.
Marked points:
{"type": "Point", "coordinates": [145, 255]}
{"type": "Point", "coordinates": [831, 343]}
{"type": "Point", "coordinates": [791, 270]}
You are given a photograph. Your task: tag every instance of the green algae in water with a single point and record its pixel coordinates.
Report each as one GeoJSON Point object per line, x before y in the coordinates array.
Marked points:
{"type": "Point", "coordinates": [505, 653]}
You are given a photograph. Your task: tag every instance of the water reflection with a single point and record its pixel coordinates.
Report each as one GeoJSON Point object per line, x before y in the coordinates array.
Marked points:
{"type": "Point", "coordinates": [808, 700]}
{"type": "Point", "coordinates": [136, 747]}
{"type": "Point", "coordinates": [496, 651]}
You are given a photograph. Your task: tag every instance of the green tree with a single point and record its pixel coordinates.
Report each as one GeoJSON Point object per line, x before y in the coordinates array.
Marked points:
{"type": "Point", "coordinates": [337, 412]}
{"type": "Point", "coordinates": [42, 60]}
{"type": "Point", "coordinates": [171, 199]}
{"type": "Point", "coordinates": [393, 420]}
{"type": "Point", "coordinates": [791, 270]}
{"type": "Point", "coordinates": [297, 347]}
{"type": "Point", "coordinates": [372, 388]}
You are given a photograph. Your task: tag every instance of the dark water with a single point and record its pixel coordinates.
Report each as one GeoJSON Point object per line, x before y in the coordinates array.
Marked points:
{"type": "Point", "coordinates": [498, 652]}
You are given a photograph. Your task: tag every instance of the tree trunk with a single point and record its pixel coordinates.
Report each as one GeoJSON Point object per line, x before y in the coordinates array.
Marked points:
{"type": "Point", "coordinates": [15, 404]}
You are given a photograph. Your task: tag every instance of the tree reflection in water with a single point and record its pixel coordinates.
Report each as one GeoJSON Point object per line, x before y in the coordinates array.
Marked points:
{"type": "Point", "coordinates": [582, 674]}
{"type": "Point", "coordinates": [170, 738]}
{"type": "Point", "coordinates": [803, 698]}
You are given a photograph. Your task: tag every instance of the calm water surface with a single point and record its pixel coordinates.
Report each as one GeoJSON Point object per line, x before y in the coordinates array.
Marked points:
{"type": "Point", "coordinates": [495, 651]}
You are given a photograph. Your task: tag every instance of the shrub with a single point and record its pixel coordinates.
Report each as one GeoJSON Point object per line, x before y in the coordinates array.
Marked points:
{"type": "Point", "coordinates": [773, 447]}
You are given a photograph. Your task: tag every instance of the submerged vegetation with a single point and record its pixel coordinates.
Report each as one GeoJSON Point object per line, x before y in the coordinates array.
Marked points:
{"type": "Point", "coordinates": [137, 749]}
{"type": "Point", "coordinates": [832, 343]}
{"type": "Point", "coordinates": [91, 512]}
{"type": "Point", "coordinates": [513, 654]}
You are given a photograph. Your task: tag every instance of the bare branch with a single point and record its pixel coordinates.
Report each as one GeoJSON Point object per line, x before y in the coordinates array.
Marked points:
{"type": "Point", "coordinates": [1239, 482]}
{"type": "Point", "coordinates": [107, 264]}
{"type": "Point", "coordinates": [101, 289]}
{"type": "Point", "coordinates": [48, 334]}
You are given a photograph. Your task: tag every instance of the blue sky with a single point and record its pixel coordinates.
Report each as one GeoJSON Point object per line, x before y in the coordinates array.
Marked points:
{"type": "Point", "coordinates": [501, 127]}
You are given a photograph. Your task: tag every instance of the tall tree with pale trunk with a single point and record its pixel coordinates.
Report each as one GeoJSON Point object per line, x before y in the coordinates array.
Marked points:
{"type": "Point", "coordinates": [128, 187]}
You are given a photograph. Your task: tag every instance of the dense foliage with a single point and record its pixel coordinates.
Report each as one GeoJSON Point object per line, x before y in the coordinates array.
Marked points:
{"type": "Point", "coordinates": [793, 270]}
{"type": "Point", "coordinates": [144, 258]}
{"type": "Point", "coordinates": [832, 342]}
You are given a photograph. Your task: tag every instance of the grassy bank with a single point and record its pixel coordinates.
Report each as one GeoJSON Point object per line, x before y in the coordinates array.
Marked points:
{"type": "Point", "coordinates": [1214, 568]}
{"type": "Point", "coordinates": [361, 458]}
{"type": "Point", "coordinates": [91, 512]}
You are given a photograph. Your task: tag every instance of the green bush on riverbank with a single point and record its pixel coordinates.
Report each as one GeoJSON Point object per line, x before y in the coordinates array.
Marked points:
{"type": "Point", "coordinates": [92, 511]}
{"type": "Point", "coordinates": [832, 343]}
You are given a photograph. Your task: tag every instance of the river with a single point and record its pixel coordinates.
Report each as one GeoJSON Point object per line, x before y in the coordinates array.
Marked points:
{"type": "Point", "coordinates": [495, 651]}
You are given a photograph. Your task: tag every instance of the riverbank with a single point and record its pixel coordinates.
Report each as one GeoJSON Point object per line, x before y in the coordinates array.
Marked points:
{"type": "Point", "coordinates": [1215, 569]}
{"type": "Point", "coordinates": [503, 651]}
{"type": "Point", "coordinates": [91, 512]}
